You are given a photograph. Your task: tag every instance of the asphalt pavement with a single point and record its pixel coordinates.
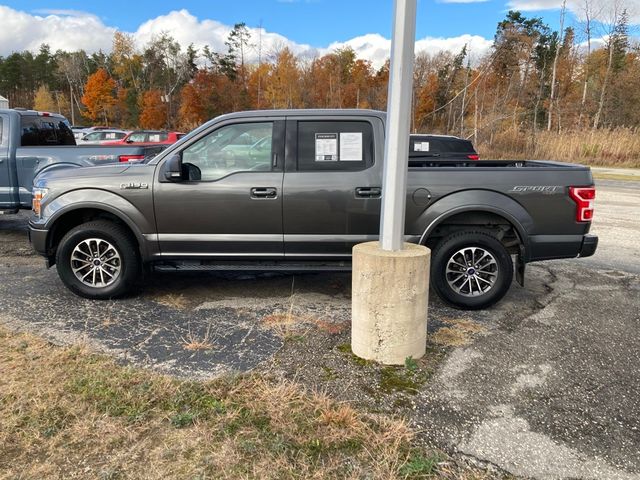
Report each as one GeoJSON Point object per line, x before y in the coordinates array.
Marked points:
{"type": "Point", "coordinates": [549, 387]}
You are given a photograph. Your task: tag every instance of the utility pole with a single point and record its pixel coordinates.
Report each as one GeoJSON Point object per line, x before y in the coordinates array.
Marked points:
{"type": "Point", "coordinates": [396, 145]}
{"type": "Point", "coordinates": [390, 280]}
{"type": "Point", "coordinates": [73, 115]}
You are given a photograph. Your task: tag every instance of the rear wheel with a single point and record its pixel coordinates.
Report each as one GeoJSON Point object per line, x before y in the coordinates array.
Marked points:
{"type": "Point", "coordinates": [98, 260]}
{"type": "Point", "coordinates": [471, 270]}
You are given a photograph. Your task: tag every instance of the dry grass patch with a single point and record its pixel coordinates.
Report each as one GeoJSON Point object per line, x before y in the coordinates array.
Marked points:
{"type": "Point", "coordinates": [65, 412]}
{"type": "Point", "coordinates": [459, 332]}
{"type": "Point", "coordinates": [194, 343]}
{"type": "Point", "coordinates": [172, 300]}
{"type": "Point", "coordinates": [617, 147]}
{"type": "Point", "coordinates": [293, 322]}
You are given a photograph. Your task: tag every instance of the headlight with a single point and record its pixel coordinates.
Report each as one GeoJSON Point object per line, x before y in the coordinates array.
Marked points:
{"type": "Point", "coordinates": [37, 195]}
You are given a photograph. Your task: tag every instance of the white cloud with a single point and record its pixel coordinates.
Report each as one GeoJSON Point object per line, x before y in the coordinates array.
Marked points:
{"type": "Point", "coordinates": [23, 31]}
{"type": "Point", "coordinates": [187, 29]}
{"type": "Point", "coordinates": [72, 30]}
{"type": "Point", "coordinates": [376, 48]}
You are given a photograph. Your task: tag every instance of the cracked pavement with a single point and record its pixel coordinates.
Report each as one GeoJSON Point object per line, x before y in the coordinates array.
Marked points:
{"type": "Point", "coordinates": [550, 388]}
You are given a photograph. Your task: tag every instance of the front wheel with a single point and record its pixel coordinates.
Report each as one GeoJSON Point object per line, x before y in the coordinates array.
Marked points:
{"type": "Point", "coordinates": [98, 260]}
{"type": "Point", "coordinates": [471, 270]}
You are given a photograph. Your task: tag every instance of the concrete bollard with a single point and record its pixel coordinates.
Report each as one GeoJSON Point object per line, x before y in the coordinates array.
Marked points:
{"type": "Point", "coordinates": [389, 299]}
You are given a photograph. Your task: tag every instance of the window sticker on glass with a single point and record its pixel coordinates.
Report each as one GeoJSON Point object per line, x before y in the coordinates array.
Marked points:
{"type": "Point", "coordinates": [351, 146]}
{"type": "Point", "coordinates": [421, 147]}
{"type": "Point", "coordinates": [326, 147]}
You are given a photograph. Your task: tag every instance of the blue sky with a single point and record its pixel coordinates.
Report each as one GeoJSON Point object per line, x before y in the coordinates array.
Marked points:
{"type": "Point", "coordinates": [308, 27]}
{"type": "Point", "coordinates": [315, 22]}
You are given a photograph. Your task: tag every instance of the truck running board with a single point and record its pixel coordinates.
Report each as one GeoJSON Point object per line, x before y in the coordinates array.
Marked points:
{"type": "Point", "coordinates": [339, 266]}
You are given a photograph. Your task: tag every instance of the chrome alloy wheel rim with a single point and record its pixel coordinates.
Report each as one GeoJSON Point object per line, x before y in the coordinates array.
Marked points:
{"type": "Point", "coordinates": [96, 263]}
{"type": "Point", "coordinates": [472, 271]}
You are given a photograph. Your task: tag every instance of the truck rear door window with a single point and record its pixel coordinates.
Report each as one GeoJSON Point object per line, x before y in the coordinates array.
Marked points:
{"type": "Point", "coordinates": [335, 145]}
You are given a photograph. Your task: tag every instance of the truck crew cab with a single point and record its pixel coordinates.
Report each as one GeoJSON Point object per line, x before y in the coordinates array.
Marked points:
{"type": "Point", "coordinates": [295, 190]}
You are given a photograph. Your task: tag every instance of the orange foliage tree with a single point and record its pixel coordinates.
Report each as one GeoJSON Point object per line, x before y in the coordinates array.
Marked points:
{"type": "Point", "coordinates": [99, 96]}
{"type": "Point", "coordinates": [154, 110]}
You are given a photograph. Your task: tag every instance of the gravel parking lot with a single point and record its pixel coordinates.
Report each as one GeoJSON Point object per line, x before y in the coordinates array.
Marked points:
{"type": "Point", "coordinates": [544, 385]}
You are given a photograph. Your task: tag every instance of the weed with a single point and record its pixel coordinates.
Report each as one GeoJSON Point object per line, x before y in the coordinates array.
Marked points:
{"type": "Point", "coordinates": [419, 466]}
{"type": "Point", "coordinates": [193, 343]}
{"type": "Point", "coordinates": [329, 373]}
{"type": "Point", "coordinates": [410, 364]}
{"type": "Point", "coordinates": [184, 419]}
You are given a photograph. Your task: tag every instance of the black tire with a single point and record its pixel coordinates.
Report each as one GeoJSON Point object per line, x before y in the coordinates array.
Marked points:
{"type": "Point", "coordinates": [462, 295]}
{"type": "Point", "coordinates": [127, 260]}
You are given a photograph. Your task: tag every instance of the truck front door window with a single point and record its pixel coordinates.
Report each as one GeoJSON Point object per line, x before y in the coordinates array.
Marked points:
{"type": "Point", "coordinates": [243, 147]}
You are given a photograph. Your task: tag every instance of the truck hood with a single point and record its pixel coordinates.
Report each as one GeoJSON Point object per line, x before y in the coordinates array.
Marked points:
{"type": "Point", "coordinates": [89, 175]}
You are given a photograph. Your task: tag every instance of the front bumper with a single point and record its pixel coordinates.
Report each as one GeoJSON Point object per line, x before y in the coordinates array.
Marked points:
{"type": "Point", "coordinates": [38, 239]}
{"type": "Point", "coordinates": [589, 245]}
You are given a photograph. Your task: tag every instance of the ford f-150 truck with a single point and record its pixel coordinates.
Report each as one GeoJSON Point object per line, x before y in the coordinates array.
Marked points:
{"type": "Point", "coordinates": [219, 200]}
{"type": "Point", "coordinates": [32, 142]}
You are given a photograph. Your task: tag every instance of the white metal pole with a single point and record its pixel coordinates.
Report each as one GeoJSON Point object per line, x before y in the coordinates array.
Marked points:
{"type": "Point", "coordinates": [396, 145]}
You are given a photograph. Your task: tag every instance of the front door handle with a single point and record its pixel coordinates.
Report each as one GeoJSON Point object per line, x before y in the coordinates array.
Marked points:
{"type": "Point", "coordinates": [264, 192]}
{"type": "Point", "coordinates": [368, 192]}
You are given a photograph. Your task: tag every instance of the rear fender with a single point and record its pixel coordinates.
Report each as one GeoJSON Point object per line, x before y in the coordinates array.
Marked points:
{"type": "Point", "coordinates": [475, 201]}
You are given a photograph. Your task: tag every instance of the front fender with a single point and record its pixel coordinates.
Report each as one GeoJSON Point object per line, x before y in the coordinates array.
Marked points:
{"type": "Point", "coordinates": [475, 200]}
{"type": "Point", "coordinates": [139, 222]}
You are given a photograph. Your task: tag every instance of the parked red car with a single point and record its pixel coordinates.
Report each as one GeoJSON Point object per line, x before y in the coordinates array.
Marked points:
{"type": "Point", "coordinates": [149, 137]}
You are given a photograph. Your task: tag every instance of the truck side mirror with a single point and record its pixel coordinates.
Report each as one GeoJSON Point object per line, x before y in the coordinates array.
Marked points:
{"type": "Point", "coordinates": [173, 168]}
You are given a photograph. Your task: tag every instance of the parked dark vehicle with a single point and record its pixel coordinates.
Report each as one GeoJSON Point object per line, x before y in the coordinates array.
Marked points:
{"type": "Point", "coordinates": [431, 150]}
{"type": "Point", "coordinates": [303, 207]}
{"type": "Point", "coordinates": [33, 142]}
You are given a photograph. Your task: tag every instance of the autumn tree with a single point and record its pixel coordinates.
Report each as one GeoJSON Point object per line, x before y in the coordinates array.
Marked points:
{"type": "Point", "coordinates": [167, 68]}
{"type": "Point", "coordinates": [127, 62]}
{"type": "Point", "coordinates": [154, 110]}
{"type": "Point", "coordinates": [99, 96]}
{"type": "Point", "coordinates": [282, 84]}
{"type": "Point", "coordinates": [194, 107]}
{"type": "Point", "coordinates": [44, 101]}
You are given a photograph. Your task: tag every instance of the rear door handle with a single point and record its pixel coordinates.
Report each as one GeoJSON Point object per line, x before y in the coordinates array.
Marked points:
{"type": "Point", "coordinates": [368, 192]}
{"type": "Point", "coordinates": [264, 192]}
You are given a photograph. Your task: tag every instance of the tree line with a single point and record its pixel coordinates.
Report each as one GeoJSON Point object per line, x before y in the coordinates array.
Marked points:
{"type": "Point", "coordinates": [534, 79]}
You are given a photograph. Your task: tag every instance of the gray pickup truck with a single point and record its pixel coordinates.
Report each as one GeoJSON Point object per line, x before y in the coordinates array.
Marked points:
{"type": "Point", "coordinates": [295, 190]}
{"type": "Point", "coordinates": [32, 142]}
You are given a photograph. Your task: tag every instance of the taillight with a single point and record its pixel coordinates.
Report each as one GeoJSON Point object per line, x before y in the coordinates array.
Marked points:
{"type": "Point", "coordinates": [474, 156]}
{"type": "Point", "coordinates": [584, 197]}
{"type": "Point", "coordinates": [130, 158]}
